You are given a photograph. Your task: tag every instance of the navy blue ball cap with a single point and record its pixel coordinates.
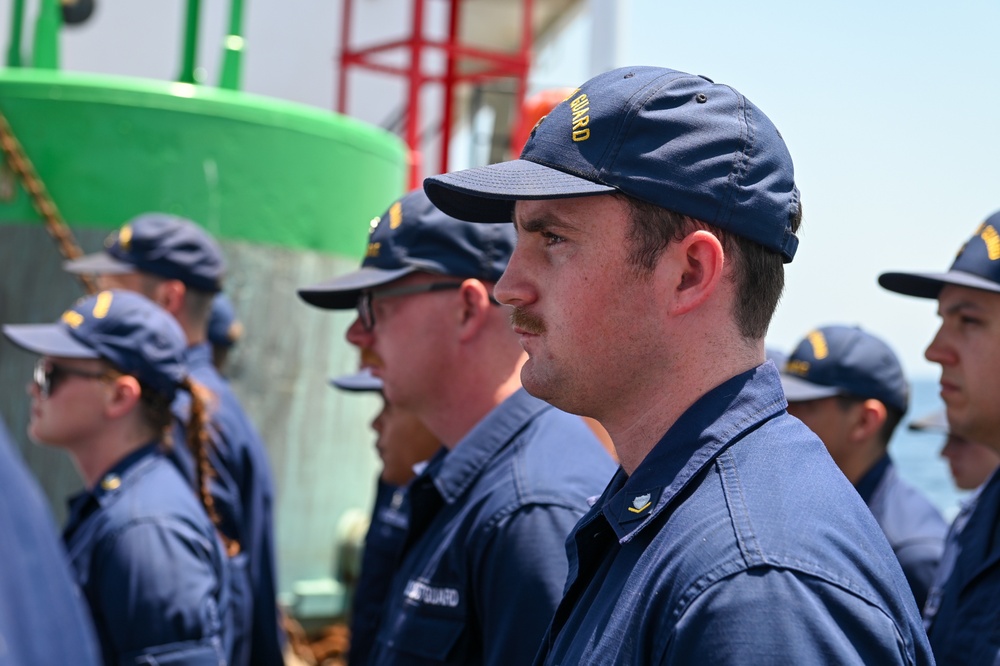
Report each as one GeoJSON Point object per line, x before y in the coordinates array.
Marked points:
{"type": "Point", "coordinates": [675, 140]}
{"type": "Point", "coordinates": [413, 235]}
{"type": "Point", "coordinates": [936, 422]}
{"type": "Point", "coordinates": [126, 329]}
{"type": "Point", "coordinates": [977, 266]}
{"type": "Point", "coordinates": [362, 380]}
{"type": "Point", "coordinates": [224, 329]}
{"type": "Point", "coordinates": [160, 244]}
{"type": "Point", "coordinates": [844, 360]}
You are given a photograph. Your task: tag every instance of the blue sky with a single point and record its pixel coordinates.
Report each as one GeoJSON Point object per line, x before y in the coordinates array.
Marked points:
{"type": "Point", "coordinates": [890, 112]}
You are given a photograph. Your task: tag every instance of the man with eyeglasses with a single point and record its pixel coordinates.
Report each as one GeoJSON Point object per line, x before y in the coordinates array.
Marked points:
{"type": "Point", "coordinates": [177, 265]}
{"type": "Point", "coordinates": [484, 561]}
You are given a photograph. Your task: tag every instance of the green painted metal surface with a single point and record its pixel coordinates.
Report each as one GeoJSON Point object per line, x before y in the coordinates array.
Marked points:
{"type": "Point", "coordinates": [246, 167]}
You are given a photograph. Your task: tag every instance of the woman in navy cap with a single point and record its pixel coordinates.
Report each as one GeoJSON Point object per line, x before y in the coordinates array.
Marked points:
{"type": "Point", "coordinates": [144, 548]}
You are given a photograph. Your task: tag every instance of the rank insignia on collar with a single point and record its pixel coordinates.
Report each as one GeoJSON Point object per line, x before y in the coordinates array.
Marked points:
{"type": "Point", "coordinates": [639, 506]}
{"type": "Point", "coordinates": [640, 503]}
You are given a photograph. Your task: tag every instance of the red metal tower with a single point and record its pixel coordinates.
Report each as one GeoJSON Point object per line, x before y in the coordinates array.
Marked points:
{"type": "Point", "coordinates": [463, 64]}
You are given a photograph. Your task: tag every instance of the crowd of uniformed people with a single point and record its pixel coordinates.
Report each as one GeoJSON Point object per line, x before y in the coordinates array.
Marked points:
{"type": "Point", "coordinates": [587, 456]}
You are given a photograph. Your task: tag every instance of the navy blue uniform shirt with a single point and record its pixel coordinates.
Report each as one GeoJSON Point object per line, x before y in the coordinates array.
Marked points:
{"type": "Point", "coordinates": [963, 617]}
{"type": "Point", "coordinates": [737, 540]}
{"type": "Point", "coordinates": [383, 545]}
{"type": "Point", "coordinates": [914, 528]}
{"type": "Point", "coordinates": [485, 561]}
{"type": "Point", "coordinates": [244, 498]}
{"type": "Point", "coordinates": [151, 566]}
{"type": "Point", "coordinates": [42, 617]}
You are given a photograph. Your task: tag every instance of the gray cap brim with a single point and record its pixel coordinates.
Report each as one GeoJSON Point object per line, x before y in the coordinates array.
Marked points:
{"type": "Point", "coordinates": [99, 263]}
{"type": "Point", "coordinates": [928, 285]}
{"type": "Point", "coordinates": [363, 380]}
{"type": "Point", "coordinates": [47, 340]}
{"type": "Point", "coordinates": [341, 293]}
{"type": "Point", "coordinates": [799, 390]}
{"type": "Point", "coordinates": [487, 194]}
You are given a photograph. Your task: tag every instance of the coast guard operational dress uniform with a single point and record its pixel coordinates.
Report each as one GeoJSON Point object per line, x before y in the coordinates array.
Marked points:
{"type": "Point", "coordinates": [151, 565]}
{"type": "Point", "coordinates": [486, 547]}
{"type": "Point", "coordinates": [42, 617]}
{"type": "Point", "coordinates": [805, 582]}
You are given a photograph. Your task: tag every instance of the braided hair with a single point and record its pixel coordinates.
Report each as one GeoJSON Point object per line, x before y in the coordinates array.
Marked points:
{"type": "Point", "coordinates": [157, 408]}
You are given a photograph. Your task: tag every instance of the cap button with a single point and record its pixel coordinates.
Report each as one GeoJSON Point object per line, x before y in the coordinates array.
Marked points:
{"type": "Point", "coordinates": [111, 482]}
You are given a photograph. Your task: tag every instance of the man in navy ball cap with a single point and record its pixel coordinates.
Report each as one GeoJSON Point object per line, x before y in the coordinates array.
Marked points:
{"type": "Point", "coordinates": [484, 560]}
{"type": "Point", "coordinates": [961, 614]}
{"type": "Point", "coordinates": [655, 211]}
{"type": "Point", "coordinates": [848, 386]}
{"type": "Point", "coordinates": [179, 266]}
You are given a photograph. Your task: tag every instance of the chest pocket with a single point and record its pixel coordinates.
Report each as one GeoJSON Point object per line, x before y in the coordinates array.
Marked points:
{"type": "Point", "coordinates": [427, 636]}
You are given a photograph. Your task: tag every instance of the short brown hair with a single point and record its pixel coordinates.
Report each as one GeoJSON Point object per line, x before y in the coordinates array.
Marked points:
{"type": "Point", "coordinates": [758, 273]}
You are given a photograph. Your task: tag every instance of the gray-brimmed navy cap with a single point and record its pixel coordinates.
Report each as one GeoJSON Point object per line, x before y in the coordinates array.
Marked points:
{"type": "Point", "coordinates": [413, 235]}
{"type": "Point", "coordinates": [678, 141]}
{"type": "Point", "coordinates": [844, 360]}
{"type": "Point", "coordinates": [977, 266]}
{"type": "Point", "coordinates": [160, 244]}
{"type": "Point", "coordinates": [362, 380]}
{"type": "Point", "coordinates": [124, 328]}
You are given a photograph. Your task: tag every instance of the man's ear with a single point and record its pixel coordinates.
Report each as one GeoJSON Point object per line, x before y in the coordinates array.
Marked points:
{"type": "Point", "coordinates": [868, 420]}
{"type": "Point", "coordinates": [122, 397]}
{"type": "Point", "coordinates": [169, 295]}
{"type": "Point", "coordinates": [698, 269]}
{"type": "Point", "coordinates": [474, 307]}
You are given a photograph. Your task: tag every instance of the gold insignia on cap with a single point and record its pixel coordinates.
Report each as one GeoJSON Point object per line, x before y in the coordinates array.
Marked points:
{"type": "Point", "coordinates": [373, 249]}
{"type": "Point", "coordinates": [581, 118]}
{"type": "Point", "coordinates": [395, 215]}
{"type": "Point", "coordinates": [72, 318]}
{"type": "Point", "coordinates": [818, 343]}
{"type": "Point", "coordinates": [103, 304]}
{"type": "Point", "coordinates": [125, 237]}
{"type": "Point", "coordinates": [992, 240]}
{"type": "Point", "coordinates": [800, 368]}
{"type": "Point", "coordinates": [111, 482]}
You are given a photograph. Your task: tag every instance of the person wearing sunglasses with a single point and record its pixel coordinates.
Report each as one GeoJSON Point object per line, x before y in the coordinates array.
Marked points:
{"type": "Point", "coordinates": [484, 559]}
{"type": "Point", "coordinates": [179, 266]}
{"type": "Point", "coordinates": [145, 549]}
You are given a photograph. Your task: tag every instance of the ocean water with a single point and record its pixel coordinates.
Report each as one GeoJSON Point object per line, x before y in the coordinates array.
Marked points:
{"type": "Point", "coordinates": [918, 454]}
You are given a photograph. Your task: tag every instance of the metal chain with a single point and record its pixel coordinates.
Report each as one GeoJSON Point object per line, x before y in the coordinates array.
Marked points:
{"type": "Point", "coordinates": [19, 163]}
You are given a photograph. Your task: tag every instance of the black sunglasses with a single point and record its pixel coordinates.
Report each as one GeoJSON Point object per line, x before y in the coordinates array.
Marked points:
{"type": "Point", "coordinates": [48, 375]}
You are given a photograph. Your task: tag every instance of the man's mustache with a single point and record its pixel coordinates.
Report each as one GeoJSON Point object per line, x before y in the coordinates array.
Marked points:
{"type": "Point", "coordinates": [527, 322]}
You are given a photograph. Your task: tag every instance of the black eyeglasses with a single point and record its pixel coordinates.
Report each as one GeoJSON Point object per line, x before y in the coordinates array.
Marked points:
{"type": "Point", "coordinates": [48, 376]}
{"type": "Point", "coordinates": [367, 315]}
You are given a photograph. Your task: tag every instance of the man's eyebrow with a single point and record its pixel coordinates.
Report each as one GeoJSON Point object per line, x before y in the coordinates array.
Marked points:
{"type": "Point", "coordinates": [954, 308]}
{"type": "Point", "coordinates": [535, 225]}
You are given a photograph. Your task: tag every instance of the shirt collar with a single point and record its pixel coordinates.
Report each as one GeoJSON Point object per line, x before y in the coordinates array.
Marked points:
{"type": "Point", "coordinates": [714, 421]}
{"type": "Point", "coordinates": [198, 354]}
{"type": "Point", "coordinates": [868, 483]}
{"type": "Point", "coordinates": [111, 484]}
{"type": "Point", "coordinates": [453, 473]}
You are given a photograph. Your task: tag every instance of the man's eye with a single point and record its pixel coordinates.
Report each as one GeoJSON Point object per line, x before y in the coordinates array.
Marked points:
{"type": "Point", "coordinates": [550, 238]}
